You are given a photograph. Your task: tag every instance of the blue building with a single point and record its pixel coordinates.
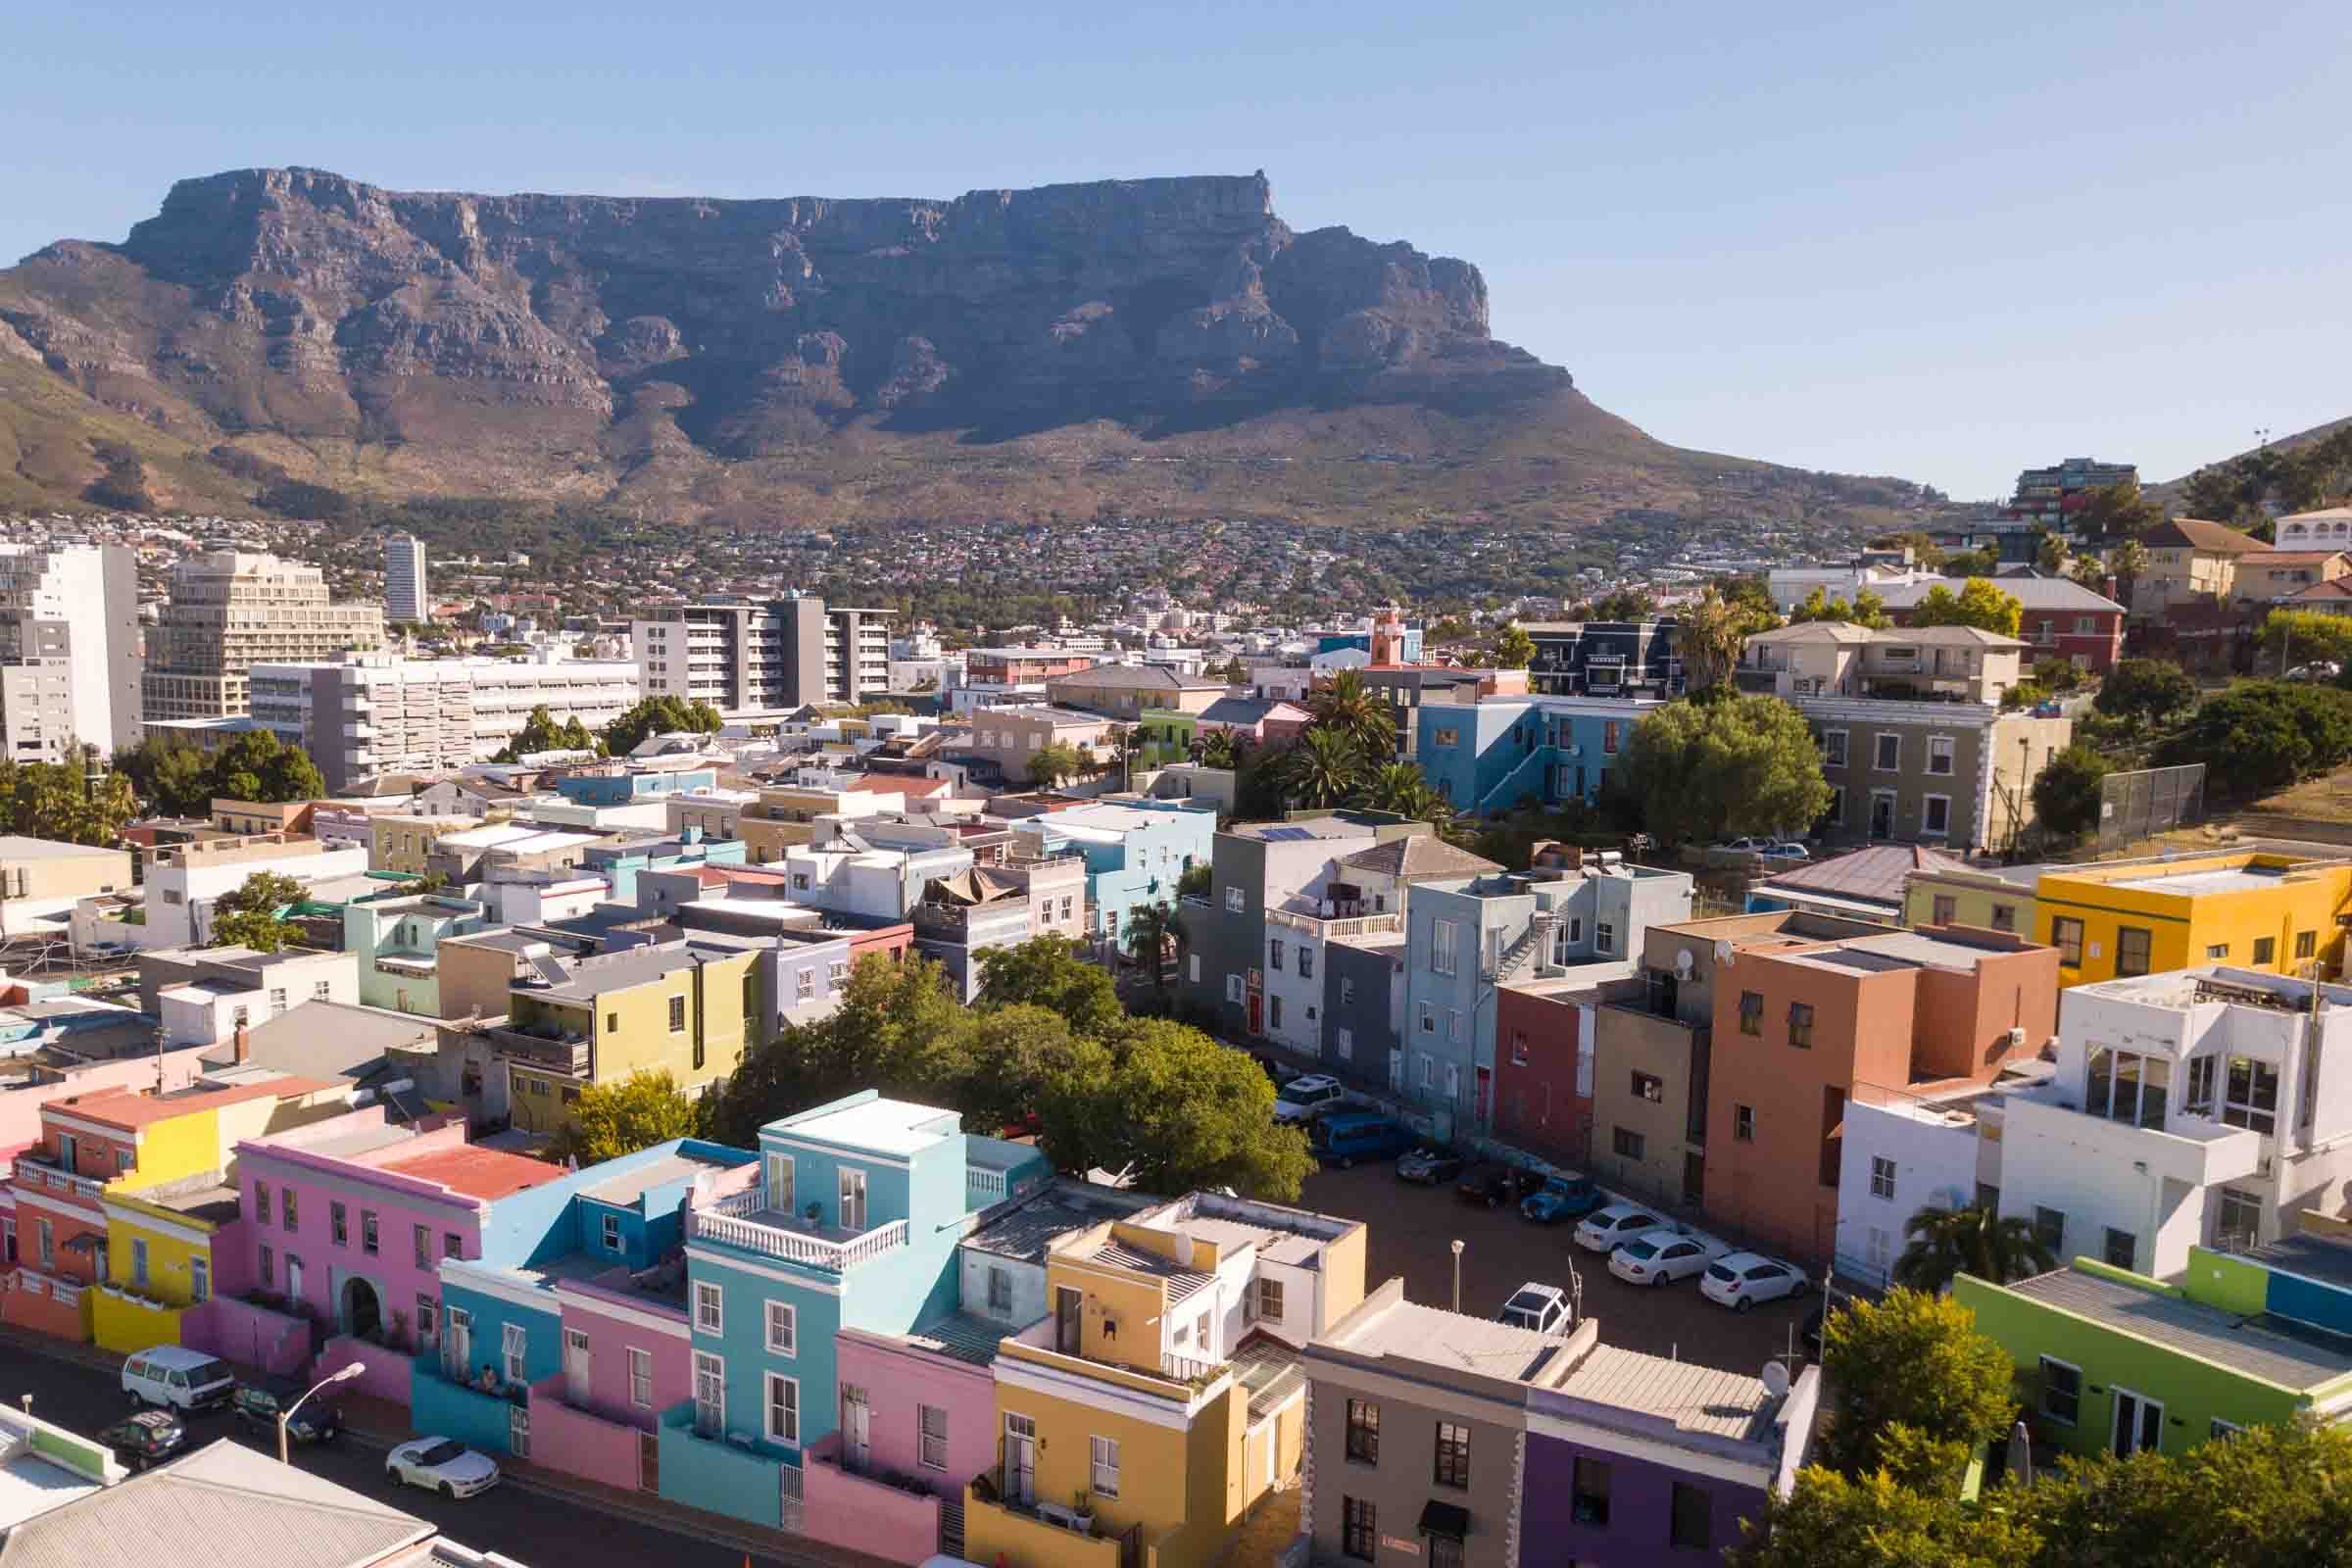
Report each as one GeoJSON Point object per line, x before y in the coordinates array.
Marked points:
{"type": "Point", "coordinates": [1134, 852]}
{"type": "Point", "coordinates": [1488, 758]}
{"type": "Point", "coordinates": [617, 784]}
{"type": "Point", "coordinates": [853, 1225]}
{"type": "Point", "coordinates": [621, 860]}
{"type": "Point", "coordinates": [1407, 652]}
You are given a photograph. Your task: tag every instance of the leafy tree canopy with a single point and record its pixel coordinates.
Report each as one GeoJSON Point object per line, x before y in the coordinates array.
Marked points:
{"type": "Point", "coordinates": [2291, 637]}
{"type": "Point", "coordinates": [1980, 603]}
{"type": "Point", "coordinates": [541, 733]}
{"type": "Point", "coordinates": [1947, 1241]}
{"type": "Point", "coordinates": [1046, 972]}
{"type": "Point", "coordinates": [658, 716]}
{"type": "Point", "coordinates": [53, 801]}
{"type": "Point", "coordinates": [2148, 691]}
{"type": "Point", "coordinates": [1913, 1372]}
{"type": "Point", "coordinates": [248, 915]}
{"type": "Point", "coordinates": [2263, 735]}
{"type": "Point", "coordinates": [2066, 797]}
{"type": "Point", "coordinates": [1746, 764]}
{"type": "Point", "coordinates": [1514, 649]}
{"type": "Point", "coordinates": [614, 1119]}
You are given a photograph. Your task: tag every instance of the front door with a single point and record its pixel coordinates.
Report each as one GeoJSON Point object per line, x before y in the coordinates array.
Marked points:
{"type": "Point", "coordinates": [1020, 1460]}
{"type": "Point", "coordinates": [852, 1200]}
{"type": "Point", "coordinates": [1694, 1177]}
{"type": "Point", "coordinates": [1066, 1319]}
{"type": "Point", "coordinates": [1257, 1017]}
{"type": "Point", "coordinates": [293, 1279]}
{"type": "Point", "coordinates": [1881, 816]}
{"type": "Point", "coordinates": [779, 1183]}
{"type": "Point", "coordinates": [2139, 1424]}
{"type": "Point", "coordinates": [649, 1462]}
{"type": "Point", "coordinates": [457, 1347]}
{"type": "Point", "coordinates": [575, 1367]}
{"type": "Point", "coordinates": [856, 1427]}
{"type": "Point", "coordinates": [1397, 1071]}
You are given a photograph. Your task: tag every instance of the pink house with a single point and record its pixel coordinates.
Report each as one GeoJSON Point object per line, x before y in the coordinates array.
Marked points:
{"type": "Point", "coordinates": [627, 1359]}
{"type": "Point", "coordinates": [918, 1417]}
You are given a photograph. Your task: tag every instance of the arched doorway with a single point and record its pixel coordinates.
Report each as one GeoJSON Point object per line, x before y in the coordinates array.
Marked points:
{"type": "Point", "coordinates": [363, 1313]}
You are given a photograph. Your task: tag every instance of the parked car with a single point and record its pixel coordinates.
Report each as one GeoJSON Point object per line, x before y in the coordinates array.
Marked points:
{"type": "Point", "coordinates": [148, 1438]}
{"type": "Point", "coordinates": [1785, 853]}
{"type": "Point", "coordinates": [1604, 1228]}
{"type": "Point", "coordinates": [1429, 1166]}
{"type": "Point", "coordinates": [175, 1376]}
{"type": "Point", "coordinates": [1304, 1097]}
{"type": "Point", "coordinates": [441, 1464]}
{"type": "Point", "coordinates": [256, 1405]}
{"type": "Point", "coordinates": [1497, 1182]}
{"type": "Point", "coordinates": [1541, 1307]}
{"type": "Point", "coordinates": [1341, 1137]}
{"type": "Point", "coordinates": [1743, 1279]}
{"type": "Point", "coordinates": [1656, 1257]}
{"type": "Point", "coordinates": [1562, 1197]}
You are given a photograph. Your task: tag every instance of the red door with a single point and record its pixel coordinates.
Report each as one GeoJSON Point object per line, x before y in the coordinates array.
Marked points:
{"type": "Point", "coordinates": [1255, 1003]}
{"type": "Point", "coordinates": [1486, 1088]}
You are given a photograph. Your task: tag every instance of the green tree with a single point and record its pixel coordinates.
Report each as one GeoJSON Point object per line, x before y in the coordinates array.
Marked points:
{"type": "Point", "coordinates": [2118, 512]}
{"type": "Point", "coordinates": [1324, 769]}
{"type": "Point", "coordinates": [895, 1030]}
{"type": "Point", "coordinates": [2146, 691]}
{"type": "Point", "coordinates": [1946, 1242]}
{"type": "Point", "coordinates": [1055, 763]}
{"type": "Point", "coordinates": [658, 716]}
{"type": "Point", "coordinates": [1350, 708]}
{"type": "Point", "coordinates": [56, 801]}
{"type": "Point", "coordinates": [1514, 649]}
{"type": "Point", "coordinates": [1709, 636]}
{"type": "Point", "coordinates": [1911, 1361]}
{"type": "Point", "coordinates": [1925, 551]}
{"type": "Point", "coordinates": [1047, 971]}
{"type": "Point", "coordinates": [1017, 1062]}
{"type": "Point", "coordinates": [1827, 1521]}
{"type": "Point", "coordinates": [539, 733]}
{"type": "Point", "coordinates": [1972, 564]}
{"type": "Point", "coordinates": [1745, 764]}
{"type": "Point", "coordinates": [617, 1118]}
{"type": "Point", "coordinates": [2300, 636]}
{"type": "Point", "coordinates": [1149, 937]}
{"type": "Point", "coordinates": [2066, 795]}
{"type": "Point", "coordinates": [1188, 1113]}
{"type": "Point", "coordinates": [250, 915]}
{"type": "Point", "coordinates": [1980, 603]}
{"type": "Point", "coordinates": [2056, 674]}
{"type": "Point", "coordinates": [258, 766]}
{"type": "Point", "coordinates": [2263, 735]}
{"type": "Point", "coordinates": [2050, 553]}
{"type": "Point", "coordinates": [1217, 749]}
{"type": "Point", "coordinates": [1399, 789]}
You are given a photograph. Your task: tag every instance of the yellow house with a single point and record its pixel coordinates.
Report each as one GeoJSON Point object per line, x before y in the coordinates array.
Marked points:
{"type": "Point", "coordinates": [1161, 1394]}
{"type": "Point", "coordinates": [691, 1008]}
{"type": "Point", "coordinates": [2246, 908]}
{"type": "Point", "coordinates": [1991, 898]}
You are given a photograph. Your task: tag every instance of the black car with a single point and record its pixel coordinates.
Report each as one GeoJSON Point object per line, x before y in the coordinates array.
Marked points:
{"type": "Point", "coordinates": [146, 1439]}
{"type": "Point", "coordinates": [257, 1404]}
{"type": "Point", "coordinates": [1495, 1183]}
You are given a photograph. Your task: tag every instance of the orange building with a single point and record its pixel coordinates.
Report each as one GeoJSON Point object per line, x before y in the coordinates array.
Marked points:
{"type": "Point", "coordinates": [1800, 1018]}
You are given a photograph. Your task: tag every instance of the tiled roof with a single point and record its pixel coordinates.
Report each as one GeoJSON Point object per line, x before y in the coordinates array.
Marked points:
{"type": "Point", "coordinates": [2194, 533]}
{"type": "Point", "coordinates": [1877, 874]}
{"type": "Point", "coordinates": [2332, 588]}
{"type": "Point", "coordinates": [2261, 1345]}
{"type": "Point", "coordinates": [1419, 855]}
{"type": "Point", "coordinates": [961, 1336]}
{"type": "Point", "coordinates": [2033, 593]}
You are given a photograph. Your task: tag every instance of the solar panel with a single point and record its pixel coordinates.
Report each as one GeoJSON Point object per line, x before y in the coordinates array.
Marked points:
{"type": "Point", "coordinates": [1288, 833]}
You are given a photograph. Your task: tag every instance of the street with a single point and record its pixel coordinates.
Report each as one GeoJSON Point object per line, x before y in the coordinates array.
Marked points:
{"type": "Point", "coordinates": [535, 1528]}
{"type": "Point", "coordinates": [1411, 1226]}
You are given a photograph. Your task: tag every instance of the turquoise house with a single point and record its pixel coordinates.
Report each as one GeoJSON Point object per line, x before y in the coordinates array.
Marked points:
{"type": "Point", "coordinates": [620, 862]}
{"type": "Point", "coordinates": [398, 943]}
{"type": "Point", "coordinates": [853, 1225]}
{"type": "Point", "coordinates": [1488, 758]}
{"type": "Point", "coordinates": [1134, 851]}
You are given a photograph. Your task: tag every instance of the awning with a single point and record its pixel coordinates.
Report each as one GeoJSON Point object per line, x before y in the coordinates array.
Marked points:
{"type": "Point", "coordinates": [86, 1242]}
{"type": "Point", "coordinates": [1446, 1519]}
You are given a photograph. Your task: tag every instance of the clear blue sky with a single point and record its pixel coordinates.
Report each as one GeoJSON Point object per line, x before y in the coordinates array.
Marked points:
{"type": "Point", "coordinates": [1940, 241]}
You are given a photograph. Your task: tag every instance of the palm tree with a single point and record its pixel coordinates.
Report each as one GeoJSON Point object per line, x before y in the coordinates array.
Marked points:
{"type": "Point", "coordinates": [1324, 769]}
{"type": "Point", "coordinates": [1707, 635]}
{"type": "Point", "coordinates": [1217, 750]}
{"type": "Point", "coordinates": [1944, 1242]}
{"type": "Point", "coordinates": [1355, 711]}
{"type": "Point", "coordinates": [1399, 788]}
{"type": "Point", "coordinates": [1150, 932]}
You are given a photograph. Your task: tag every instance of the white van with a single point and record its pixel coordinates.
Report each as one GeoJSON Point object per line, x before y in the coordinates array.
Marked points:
{"type": "Point", "coordinates": [183, 1379]}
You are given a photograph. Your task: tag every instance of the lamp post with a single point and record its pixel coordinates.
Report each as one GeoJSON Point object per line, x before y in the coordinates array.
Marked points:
{"type": "Point", "coordinates": [286, 1414]}
{"type": "Point", "coordinates": [1457, 1276]}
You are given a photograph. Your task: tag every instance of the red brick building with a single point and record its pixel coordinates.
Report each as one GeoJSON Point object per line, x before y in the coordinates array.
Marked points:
{"type": "Point", "coordinates": [1543, 1064]}
{"type": "Point", "coordinates": [2061, 619]}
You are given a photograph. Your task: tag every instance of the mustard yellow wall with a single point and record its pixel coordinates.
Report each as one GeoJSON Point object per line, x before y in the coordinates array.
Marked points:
{"type": "Point", "coordinates": [1972, 904]}
{"type": "Point", "coordinates": [1134, 1303]}
{"type": "Point", "coordinates": [1343, 1276]}
{"type": "Point", "coordinates": [1157, 1485]}
{"type": "Point", "coordinates": [630, 1030]}
{"type": "Point", "coordinates": [175, 1149]}
{"type": "Point", "coordinates": [120, 1324]}
{"type": "Point", "coordinates": [2185, 928]}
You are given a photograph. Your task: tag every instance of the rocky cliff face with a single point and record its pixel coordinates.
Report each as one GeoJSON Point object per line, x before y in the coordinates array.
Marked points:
{"type": "Point", "coordinates": [302, 303]}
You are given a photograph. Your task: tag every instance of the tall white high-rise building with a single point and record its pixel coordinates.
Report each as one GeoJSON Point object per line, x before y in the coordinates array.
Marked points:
{"type": "Point", "coordinates": [407, 597]}
{"type": "Point", "coordinates": [69, 650]}
{"type": "Point", "coordinates": [232, 610]}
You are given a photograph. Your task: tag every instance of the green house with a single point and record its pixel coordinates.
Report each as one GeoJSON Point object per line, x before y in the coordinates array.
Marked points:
{"type": "Point", "coordinates": [2112, 1361]}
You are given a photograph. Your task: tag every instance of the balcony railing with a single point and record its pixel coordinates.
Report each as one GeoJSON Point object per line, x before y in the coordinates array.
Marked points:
{"type": "Point", "coordinates": [983, 1186]}
{"type": "Point", "coordinates": [567, 1053]}
{"type": "Point", "coordinates": [1329, 926]}
{"type": "Point", "coordinates": [790, 1243]}
{"type": "Point", "coordinates": [55, 1177]}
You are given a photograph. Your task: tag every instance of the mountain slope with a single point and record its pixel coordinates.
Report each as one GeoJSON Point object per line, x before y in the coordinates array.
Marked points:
{"type": "Point", "coordinates": [1152, 347]}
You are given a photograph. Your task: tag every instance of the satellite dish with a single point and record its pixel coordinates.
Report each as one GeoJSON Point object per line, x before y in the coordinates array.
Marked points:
{"type": "Point", "coordinates": [1723, 949]}
{"type": "Point", "coordinates": [1682, 961]}
{"type": "Point", "coordinates": [1775, 1379]}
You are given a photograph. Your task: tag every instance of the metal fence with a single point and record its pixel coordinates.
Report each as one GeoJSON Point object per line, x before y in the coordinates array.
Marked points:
{"type": "Point", "coordinates": [2139, 804]}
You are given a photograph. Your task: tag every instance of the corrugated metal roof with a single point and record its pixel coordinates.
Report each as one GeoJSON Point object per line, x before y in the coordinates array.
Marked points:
{"type": "Point", "coordinates": [2271, 1349]}
{"type": "Point", "coordinates": [1696, 1398]}
{"type": "Point", "coordinates": [1877, 874]}
{"type": "Point", "coordinates": [960, 1334]}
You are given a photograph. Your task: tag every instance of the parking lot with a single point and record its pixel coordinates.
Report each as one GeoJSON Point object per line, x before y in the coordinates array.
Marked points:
{"type": "Point", "coordinates": [1411, 1227]}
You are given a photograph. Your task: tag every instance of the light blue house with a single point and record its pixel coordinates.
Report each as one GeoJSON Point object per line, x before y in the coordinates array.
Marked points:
{"type": "Point", "coordinates": [619, 785]}
{"type": "Point", "coordinates": [1134, 851]}
{"type": "Point", "coordinates": [853, 1225]}
{"type": "Point", "coordinates": [620, 862]}
{"type": "Point", "coordinates": [398, 943]}
{"type": "Point", "coordinates": [1489, 757]}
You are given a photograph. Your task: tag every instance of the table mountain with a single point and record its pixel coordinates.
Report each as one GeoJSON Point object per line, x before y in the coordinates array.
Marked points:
{"type": "Point", "coordinates": [1146, 345]}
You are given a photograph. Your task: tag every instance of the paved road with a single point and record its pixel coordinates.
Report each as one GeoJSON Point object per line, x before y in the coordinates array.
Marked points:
{"type": "Point", "coordinates": [535, 1528]}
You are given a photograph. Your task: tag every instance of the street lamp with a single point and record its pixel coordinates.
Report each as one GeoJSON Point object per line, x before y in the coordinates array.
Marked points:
{"type": "Point", "coordinates": [286, 1414]}
{"type": "Point", "coordinates": [1457, 1276]}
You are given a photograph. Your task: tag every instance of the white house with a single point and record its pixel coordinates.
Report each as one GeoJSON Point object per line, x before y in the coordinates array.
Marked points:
{"type": "Point", "coordinates": [1902, 1152]}
{"type": "Point", "coordinates": [182, 888]}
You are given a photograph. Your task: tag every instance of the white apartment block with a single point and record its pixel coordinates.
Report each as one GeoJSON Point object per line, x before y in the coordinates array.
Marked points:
{"type": "Point", "coordinates": [375, 714]}
{"type": "Point", "coordinates": [752, 658]}
{"type": "Point", "coordinates": [231, 610]}
{"type": "Point", "coordinates": [69, 650]}
{"type": "Point", "coordinates": [407, 595]}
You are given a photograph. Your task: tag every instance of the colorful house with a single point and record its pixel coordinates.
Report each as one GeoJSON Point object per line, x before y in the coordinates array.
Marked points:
{"type": "Point", "coordinates": [1135, 853]}
{"type": "Point", "coordinates": [397, 941]}
{"type": "Point", "coordinates": [2246, 908]}
{"type": "Point", "coordinates": [1492, 756]}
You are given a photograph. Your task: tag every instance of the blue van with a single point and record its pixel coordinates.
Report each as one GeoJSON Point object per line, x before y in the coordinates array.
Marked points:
{"type": "Point", "coordinates": [1341, 1137]}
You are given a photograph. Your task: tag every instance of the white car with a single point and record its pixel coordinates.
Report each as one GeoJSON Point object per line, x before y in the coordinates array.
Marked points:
{"type": "Point", "coordinates": [1301, 1097]}
{"type": "Point", "coordinates": [1605, 1229]}
{"type": "Point", "coordinates": [1656, 1257]}
{"type": "Point", "coordinates": [1541, 1307]}
{"type": "Point", "coordinates": [1743, 1279]}
{"type": "Point", "coordinates": [441, 1464]}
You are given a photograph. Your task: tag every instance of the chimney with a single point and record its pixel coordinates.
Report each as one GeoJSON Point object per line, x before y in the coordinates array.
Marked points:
{"type": "Point", "coordinates": [243, 1045]}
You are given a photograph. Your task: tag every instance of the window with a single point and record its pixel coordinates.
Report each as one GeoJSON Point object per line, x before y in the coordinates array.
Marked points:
{"type": "Point", "coordinates": [931, 1428]}
{"type": "Point", "coordinates": [1445, 735]}
{"type": "Point", "coordinates": [139, 1260]}
{"type": "Point", "coordinates": [1306, 963]}
{"type": "Point", "coordinates": [1102, 1474]}
{"type": "Point", "coordinates": [1751, 1013]}
{"type": "Point", "coordinates": [2237, 1220]}
{"type": "Point", "coordinates": [2066, 935]}
{"type": "Point", "coordinates": [1442, 942]}
{"type": "Point", "coordinates": [2266, 950]}
{"type": "Point", "coordinates": [2250, 1098]}
{"type": "Point", "coordinates": [2307, 944]}
{"type": "Point", "coordinates": [1589, 1492]}
{"type": "Point", "coordinates": [612, 1024]}
{"type": "Point", "coordinates": [1192, 967]}
{"type": "Point", "coordinates": [641, 1378]}
{"type": "Point", "coordinates": [2005, 917]}
{"type": "Point", "coordinates": [1628, 1144]}
{"type": "Point", "coordinates": [1939, 755]}
{"type": "Point", "coordinates": [261, 1201]}
{"type": "Point", "coordinates": [367, 1234]}
{"type": "Point", "coordinates": [1269, 1299]}
{"type": "Point", "coordinates": [1343, 1042]}
{"type": "Point", "coordinates": [1800, 1025]}
{"type": "Point", "coordinates": [1608, 737]}
{"type": "Point", "coordinates": [1235, 901]}
{"type": "Point", "coordinates": [1347, 990]}
{"type": "Point", "coordinates": [999, 1292]}
{"type": "Point", "coordinates": [321, 990]}
{"type": "Point", "coordinates": [452, 1245]}
{"type": "Point", "coordinates": [783, 1408]}
{"type": "Point", "coordinates": [2061, 1391]}
{"type": "Point", "coordinates": [2049, 1228]}
{"type": "Point", "coordinates": [1647, 1086]}
{"type": "Point", "coordinates": [286, 1208]}
{"type": "Point", "coordinates": [709, 1308]}
{"type": "Point", "coordinates": [421, 1245]}
{"type": "Point", "coordinates": [1882, 1178]}
{"type": "Point", "coordinates": [1274, 1013]}
{"type": "Point", "coordinates": [278, 1000]}
{"type": "Point", "coordinates": [783, 1328]}
{"type": "Point", "coordinates": [710, 1394]}
{"type": "Point", "coordinates": [1889, 756]}
{"type": "Point", "coordinates": [514, 1342]}
{"type": "Point", "coordinates": [1274, 955]}
{"type": "Point", "coordinates": [1453, 1456]}
{"type": "Point", "coordinates": [1605, 937]}
{"type": "Point", "coordinates": [269, 1260]}
{"type": "Point", "coordinates": [1833, 748]}
{"type": "Point", "coordinates": [2122, 1250]}
{"type": "Point", "coordinates": [1233, 987]}
{"type": "Point", "coordinates": [2203, 1073]}
{"type": "Point", "coordinates": [2217, 949]}
{"type": "Point", "coordinates": [611, 1230]}
{"type": "Point", "coordinates": [1693, 1520]}
{"type": "Point", "coordinates": [425, 1312]}
{"type": "Point", "coordinates": [804, 985]}
{"type": "Point", "coordinates": [677, 1016]}
{"type": "Point", "coordinates": [1363, 1431]}
{"type": "Point", "coordinates": [2127, 1087]}
{"type": "Point", "coordinates": [1743, 1124]}
{"type": "Point", "coordinates": [1936, 815]}
{"type": "Point", "coordinates": [2130, 950]}
{"type": "Point", "coordinates": [200, 1280]}
{"type": "Point", "coordinates": [1358, 1528]}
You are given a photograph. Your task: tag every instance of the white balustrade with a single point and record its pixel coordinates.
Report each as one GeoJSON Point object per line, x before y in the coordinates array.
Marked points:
{"type": "Point", "coordinates": [714, 1223]}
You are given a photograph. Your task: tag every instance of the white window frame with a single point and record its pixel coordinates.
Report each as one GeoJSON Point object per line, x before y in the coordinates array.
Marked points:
{"type": "Point", "coordinates": [1236, 901]}
{"type": "Point", "coordinates": [1274, 954]}
{"type": "Point", "coordinates": [1343, 1043]}
{"type": "Point", "coordinates": [1605, 937]}
{"type": "Point", "coordinates": [1950, 755]}
{"type": "Point", "coordinates": [925, 1437]}
{"type": "Point", "coordinates": [612, 1228]}
{"type": "Point", "coordinates": [707, 1294]}
{"type": "Point", "coordinates": [1103, 1459]}
{"type": "Point", "coordinates": [641, 1378]}
{"type": "Point", "coordinates": [1926, 815]}
{"type": "Point", "coordinates": [1429, 1019]}
{"type": "Point", "coordinates": [788, 1317]}
{"type": "Point", "coordinates": [792, 1408]}
{"type": "Point", "coordinates": [2042, 1404]}
{"type": "Point", "coordinates": [1883, 1176]}
{"type": "Point", "coordinates": [513, 1346]}
{"type": "Point", "coordinates": [1444, 946]}
{"type": "Point", "coordinates": [713, 1368]}
{"type": "Point", "coordinates": [1234, 991]}
{"type": "Point", "coordinates": [1878, 747]}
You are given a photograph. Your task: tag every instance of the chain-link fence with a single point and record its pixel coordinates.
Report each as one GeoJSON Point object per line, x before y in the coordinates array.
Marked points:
{"type": "Point", "coordinates": [2144, 803]}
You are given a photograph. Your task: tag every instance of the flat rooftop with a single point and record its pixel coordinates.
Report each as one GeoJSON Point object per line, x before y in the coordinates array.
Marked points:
{"type": "Point", "coordinates": [1063, 1206]}
{"type": "Point", "coordinates": [628, 1186]}
{"type": "Point", "coordinates": [1895, 949]}
{"type": "Point", "coordinates": [1696, 1398]}
{"type": "Point", "coordinates": [2289, 1355]}
{"type": "Point", "coordinates": [478, 1173]}
{"type": "Point", "coordinates": [959, 1334]}
{"type": "Point", "coordinates": [879, 1126]}
{"type": "Point", "coordinates": [2228, 879]}
{"type": "Point", "coordinates": [1412, 1332]}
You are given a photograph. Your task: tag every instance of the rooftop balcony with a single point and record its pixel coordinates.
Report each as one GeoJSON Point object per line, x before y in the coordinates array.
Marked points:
{"type": "Point", "coordinates": [2188, 1149]}
{"type": "Point", "coordinates": [37, 1170]}
{"type": "Point", "coordinates": [743, 1220]}
{"type": "Point", "coordinates": [542, 1045]}
{"type": "Point", "coordinates": [998, 1520]}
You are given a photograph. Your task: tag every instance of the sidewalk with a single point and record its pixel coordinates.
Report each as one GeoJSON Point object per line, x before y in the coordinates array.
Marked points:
{"type": "Point", "coordinates": [379, 1424]}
